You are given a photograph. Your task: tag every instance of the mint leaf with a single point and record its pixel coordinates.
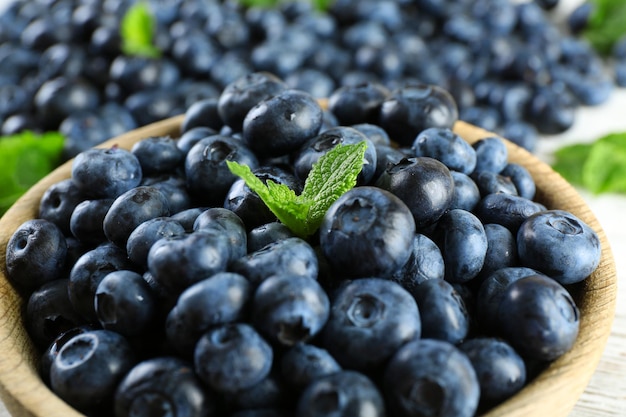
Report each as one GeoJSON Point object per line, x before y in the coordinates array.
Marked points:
{"type": "Point", "coordinates": [600, 166]}
{"type": "Point", "coordinates": [319, 5]}
{"type": "Point", "coordinates": [606, 24]}
{"type": "Point", "coordinates": [137, 30]}
{"type": "Point", "coordinates": [335, 173]}
{"type": "Point", "coordinates": [26, 158]}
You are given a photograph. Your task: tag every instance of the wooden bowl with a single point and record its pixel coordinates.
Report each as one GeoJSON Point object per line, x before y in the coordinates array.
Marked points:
{"type": "Point", "coordinates": [553, 393]}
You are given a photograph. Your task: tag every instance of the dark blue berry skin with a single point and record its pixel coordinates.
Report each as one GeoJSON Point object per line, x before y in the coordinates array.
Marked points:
{"type": "Point", "coordinates": [442, 311]}
{"type": "Point", "coordinates": [268, 233]}
{"type": "Point", "coordinates": [241, 95]}
{"type": "Point", "coordinates": [520, 133]}
{"type": "Point", "coordinates": [424, 184]}
{"type": "Point", "coordinates": [146, 234]}
{"type": "Point", "coordinates": [106, 173]}
{"type": "Point", "coordinates": [355, 104]}
{"type": "Point", "coordinates": [248, 205]}
{"type": "Point", "coordinates": [98, 352]}
{"type": "Point", "coordinates": [87, 218]}
{"type": "Point", "coordinates": [560, 245]}
{"type": "Point", "coordinates": [125, 303]}
{"type": "Point", "coordinates": [262, 412]}
{"type": "Point", "coordinates": [35, 255]}
{"type": "Point", "coordinates": [367, 232]}
{"type": "Point", "coordinates": [192, 136]}
{"type": "Point", "coordinates": [163, 384]}
{"type": "Point", "coordinates": [501, 249]}
{"type": "Point", "coordinates": [52, 350]}
{"type": "Point", "coordinates": [375, 133]}
{"type": "Point", "coordinates": [291, 256]}
{"type": "Point", "coordinates": [58, 203]}
{"type": "Point", "coordinates": [187, 218]}
{"type": "Point", "coordinates": [414, 108]}
{"type": "Point", "coordinates": [202, 113]}
{"type": "Point", "coordinates": [425, 262]}
{"type": "Point", "coordinates": [289, 309]}
{"type": "Point", "coordinates": [323, 143]}
{"type": "Point", "coordinates": [500, 370]}
{"type": "Point", "coordinates": [447, 147]}
{"type": "Point", "coordinates": [492, 183]}
{"type": "Point", "coordinates": [491, 154]}
{"type": "Point", "coordinates": [270, 394]}
{"type": "Point", "coordinates": [232, 357]}
{"type": "Point", "coordinates": [157, 154]}
{"type": "Point", "coordinates": [507, 210]}
{"type": "Point", "coordinates": [386, 156]}
{"type": "Point", "coordinates": [87, 273]}
{"type": "Point", "coordinates": [491, 291]}
{"type": "Point", "coordinates": [370, 318]}
{"type": "Point", "coordinates": [131, 209]}
{"type": "Point", "coordinates": [180, 261]}
{"type": "Point", "coordinates": [304, 363]}
{"type": "Point", "coordinates": [173, 187]}
{"type": "Point", "coordinates": [282, 124]}
{"type": "Point", "coordinates": [208, 176]}
{"type": "Point", "coordinates": [228, 224]}
{"type": "Point", "coordinates": [342, 394]}
{"type": "Point", "coordinates": [50, 313]}
{"type": "Point", "coordinates": [521, 178]}
{"type": "Point", "coordinates": [538, 317]}
{"type": "Point", "coordinates": [222, 298]}
{"type": "Point", "coordinates": [552, 109]}
{"type": "Point", "coordinates": [466, 193]}
{"type": "Point", "coordinates": [431, 377]}
{"type": "Point", "coordinates": [463, 244]}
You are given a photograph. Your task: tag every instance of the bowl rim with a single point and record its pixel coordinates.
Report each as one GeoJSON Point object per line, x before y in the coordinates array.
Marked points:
{"type": "Point", "coordinates": [558, 386]}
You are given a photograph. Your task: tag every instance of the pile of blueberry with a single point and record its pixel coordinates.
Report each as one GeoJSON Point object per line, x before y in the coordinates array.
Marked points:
{"type": "Point", "coordinates": [509, 68]}
{"type": "Point", "coordinates": [157, 283]}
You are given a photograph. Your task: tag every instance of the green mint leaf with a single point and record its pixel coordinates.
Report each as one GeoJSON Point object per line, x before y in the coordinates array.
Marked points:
{"type": "Point", "coordinates": [606, 25]}
{"type": "Point", "coordinates": [265, 4]}
{"type": "Point", "coordinates": [569, 161]}
{"type": "Point", "coordinates": [26, 158]}
{"type": "Point", "coordinates": [604, 170]}
{"type": "Point", "coordinates": [137, 30]}
{"type": "Point", "coordinates": [335, 173]}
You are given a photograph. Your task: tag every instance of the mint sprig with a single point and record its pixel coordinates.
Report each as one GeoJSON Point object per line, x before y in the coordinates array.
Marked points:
{"type": "Point", "coordinates": [599, 166]}
{"type": "Point", "coordinates": [26, 158]}
{"type": "Point", "coordinates": [606, 24]}
{"type": "Point", "coordinates": [319, 5]}
{"type": "Point", "coordinates": [137, 30]}
{"type": "Point", "coordinates": [335, 173]}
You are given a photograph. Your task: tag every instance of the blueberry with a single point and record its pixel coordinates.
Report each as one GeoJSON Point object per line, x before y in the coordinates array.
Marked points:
{"type": "Point", "coordinates": [106, 173]}
{"type": "Point", "coordinates": [424, 184]}
{"type": "Point", "coordinates": [202, 113]}
{"type": "Point", "coordinates": [173, 187]}
{"type": "Point", "coordinates": [414, 108]}
{"type": "Point", "coordinates": [431, 377]}
{"type": "Point", "coordinates": [52, 351]}
{"type": "Point", "coordinates": [208, 176]}
{"type": "Point", "coordinates": [125, 303]}
{"type": "Point", "coordinates": [98, 352]}
{"type": "Point", "coordinates": [355, 104]}
{"type": "Point", "coordinates": [163, 385]}
{"type": "Point", "coordinates": [386, 156]}
{"type": "Point", "coordinates": [552, 109]}
{"type": "Point", "coordinates": [442, 311]}
{"type": "Point", "coordinates": [463, 244]}
{"type": "Point", "coordinates": [268, 233]}
{"type": "Point", "coordinates": [49, 312]}
{"type": "Point", "coordinates": [35, 255]}
{"type": "Point", "coordinates": [466, 194]}
{"type": "Point", "coordinates": [281, 124]}
{"type": "Point", "coordinates": [425, 262]}
{"type": "Point", "coordinates": [375, 133]}
{"type": "Point", "coordinates": [131, 209]}
{"type": "Point", "coordinates": [241, 95]}
{"type": "Point", "coordinates": [232, 357]}
{"type": "Point", "coordinates": [187, 218]}
{"type": "Point", "coordinates": [180, 261]}
{"type": "Point", "coordinates": [58, 203]}
{"type": "Point", "coordinates": [367, 232]}
{"type": "Point", "coordinates": [538, 317]}
{"type": "Point", "coordinates": [560, 245]}
{"type": "Point", "coordinates": [289, 309]}
{"type": "Point", "coordinates": [521, 133]}
{"type": "Point", "coordinates": [370, 318]}
{"type": "Point", "coordinates": [521, 178]}
{"type": "Point", "coordinates": [157, 154]}
{"type": "Point", "coordinates": [447, 147]}
{"type": "Point", "coordinates": [271, 395]}
{"type": "Point", "coordinates": [500, 370]}
{"type": "Point", "coordinates": [221, 298]}
{"type": "Point", "coordinates": [491, 154]}
{"type": "Point", "coordinates": [501, 249]}
{"type": "Point", "coordinates": [87, 218]}
{"type": "Point", "coordinates": [492, 183]}
{"type": "Point", "coordinates": [228, 224]}
{"type": "Point", "coordinates": [192, 136]}
{"type": "Point", "coordinates": [304, 363]}
{"type": "Point", "coordinates": [505, 209]}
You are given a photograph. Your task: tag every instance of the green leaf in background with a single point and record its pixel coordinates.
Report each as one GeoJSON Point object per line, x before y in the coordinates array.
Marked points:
{"type": "Point", "coordinates": [606, 25]}
{"type": "Point", "coordinates": [26, 158]}
{"type": "Point", "coordinates": [137, 31]}
{"type": "Point", "coordinates": [335, 173]}
{"type": "Point", "coordinates": [319, 5]}
{"type": "Point", "coordinates": [600, 166]}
